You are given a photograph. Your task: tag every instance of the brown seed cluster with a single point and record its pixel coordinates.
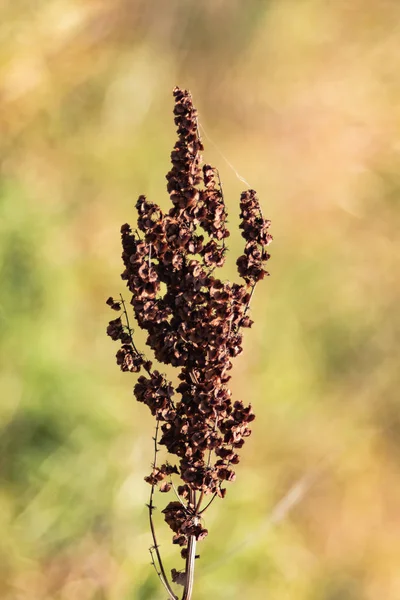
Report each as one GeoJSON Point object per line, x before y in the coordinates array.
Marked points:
{"type": "Point", "coordinates": [193, 321]}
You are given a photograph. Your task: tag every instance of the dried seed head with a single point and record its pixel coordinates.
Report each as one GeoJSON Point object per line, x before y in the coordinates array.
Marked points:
{"type": "Point", "coordinates": [193, 321]}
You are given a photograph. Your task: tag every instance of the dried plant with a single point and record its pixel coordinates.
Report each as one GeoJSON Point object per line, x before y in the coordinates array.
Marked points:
{"type": "Point", "coordinates": [194, 322]}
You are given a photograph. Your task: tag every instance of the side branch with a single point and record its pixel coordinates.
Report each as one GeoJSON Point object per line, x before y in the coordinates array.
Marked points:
{"type": "Point", "coordinates": [130, 332]}
{"type": "Point", "coordinates": [161, 571]}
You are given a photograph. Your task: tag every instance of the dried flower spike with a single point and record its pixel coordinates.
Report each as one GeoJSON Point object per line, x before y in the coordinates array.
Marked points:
{"type": "Point", "coordinates": [193, 322]}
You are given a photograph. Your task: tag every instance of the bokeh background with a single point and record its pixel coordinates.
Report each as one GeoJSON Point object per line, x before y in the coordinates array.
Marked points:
{"type": "Point", "coordinates": [302, 97]}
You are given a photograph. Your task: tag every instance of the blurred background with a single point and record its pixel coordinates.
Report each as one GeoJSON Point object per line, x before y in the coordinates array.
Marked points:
{"type": "Point", "coordinates": [302, 97]}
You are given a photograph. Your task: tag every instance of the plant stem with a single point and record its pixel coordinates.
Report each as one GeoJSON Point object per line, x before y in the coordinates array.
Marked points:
{"type": "Point", "coordinates": [191, 556]}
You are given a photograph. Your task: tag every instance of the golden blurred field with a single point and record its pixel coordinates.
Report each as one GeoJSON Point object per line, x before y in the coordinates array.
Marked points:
{"type": "Point", "coordinates": [303, 98]}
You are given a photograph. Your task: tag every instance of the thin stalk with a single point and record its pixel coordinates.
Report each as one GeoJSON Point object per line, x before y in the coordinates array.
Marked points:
{"type": "Point", "coordinates": [208, 504]}
{"type": "Point", "coordinates": [248, 303]}
{"type": "Point", "coordinates": [161, 573]}
{"type": "Point", "coordinates": [199, 503]}
{"type": "Point", "coordinates": [177, 495]}
{"type": "Point", "coordinates": [130, 331]}
{"type": "Point", "coordinates": [161, 578]}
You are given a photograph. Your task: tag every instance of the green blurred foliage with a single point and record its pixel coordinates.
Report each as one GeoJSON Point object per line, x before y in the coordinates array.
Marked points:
{"type": "Point", "coordinates": [303, 98]}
